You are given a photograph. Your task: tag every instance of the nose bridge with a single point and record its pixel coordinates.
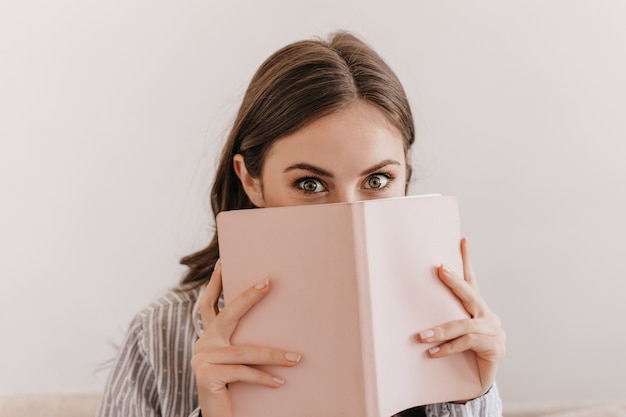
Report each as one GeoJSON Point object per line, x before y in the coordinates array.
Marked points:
{"type": "Point", "coordinates": [344, 194]}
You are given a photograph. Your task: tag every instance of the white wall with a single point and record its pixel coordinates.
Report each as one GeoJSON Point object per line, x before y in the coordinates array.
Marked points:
{"type": "Point", "coordinates": [111, 116]}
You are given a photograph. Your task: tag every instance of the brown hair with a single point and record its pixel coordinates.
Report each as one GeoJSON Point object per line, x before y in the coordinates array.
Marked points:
{"type": "Point", "coordinates": [297, 85]}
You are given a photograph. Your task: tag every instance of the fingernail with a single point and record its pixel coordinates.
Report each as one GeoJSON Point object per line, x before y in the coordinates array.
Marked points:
{"type": "Point", "coordinates": [278, 380]}
{"type": "Point", "coordinates": [262, 284]}
{"type": "Point", "coordinates": [293, 357]}
{"type": "Point", "coordinates": [426, 334]}
{"type": "Point", "coordinates": [434, 350]}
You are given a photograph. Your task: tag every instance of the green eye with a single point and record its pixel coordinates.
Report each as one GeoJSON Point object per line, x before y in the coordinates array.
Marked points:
{"type": "Point", "coordinates": [311, 185]}
{"type": "Point", "coordinates": [375, 181]}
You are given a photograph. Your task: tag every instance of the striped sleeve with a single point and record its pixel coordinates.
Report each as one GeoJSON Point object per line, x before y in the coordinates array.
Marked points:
{"type": "Point", "coordinates": [131, 388]}
{"type": "Point", "coordinates": [152, 376]}
{"type": "Point", "coordinates": [488, 405]}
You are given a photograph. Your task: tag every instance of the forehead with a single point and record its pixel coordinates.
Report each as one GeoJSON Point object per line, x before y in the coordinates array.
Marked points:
{"type": "Point", "coordinates": [359, 135]}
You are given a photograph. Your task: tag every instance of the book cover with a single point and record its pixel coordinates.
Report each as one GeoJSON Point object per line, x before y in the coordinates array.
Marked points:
{"type": "Point", "coordinates": [351, 284]}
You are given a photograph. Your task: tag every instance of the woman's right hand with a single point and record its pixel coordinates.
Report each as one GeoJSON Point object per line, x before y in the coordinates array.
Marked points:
{"type": "Point", "coordinates": [216, 362]}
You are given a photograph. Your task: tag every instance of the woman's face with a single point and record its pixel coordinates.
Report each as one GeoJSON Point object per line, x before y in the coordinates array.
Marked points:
{"type": "Point", "coordinates": [354, 154]}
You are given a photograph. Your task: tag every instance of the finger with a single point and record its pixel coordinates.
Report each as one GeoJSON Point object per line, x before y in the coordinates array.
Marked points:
{"type": "Point", "coordinates": [486, 347]}
{"type": "Point", "coordinates": [467, 294]}
{"type": "Point", "coordinates": [225, 323]}
{"type": "Point", "coordinates": [215, 377]}
{"type": "Point", "coordinates": [252, 355]}
{"type": "Point", "coordinates": [210, 296]}
{"type": "Point", "coordinates": [468, 272]}
{"type": "Point", "coordinates": [458, 328]}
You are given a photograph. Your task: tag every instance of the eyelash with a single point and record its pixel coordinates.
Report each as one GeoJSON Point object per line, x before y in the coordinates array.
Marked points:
{"type": "Point", "coordinates": [299, 184]}
{"type": "Point", "coordinates": [389, 176]}
{"type": "Point", "coordinates": [385, 174]}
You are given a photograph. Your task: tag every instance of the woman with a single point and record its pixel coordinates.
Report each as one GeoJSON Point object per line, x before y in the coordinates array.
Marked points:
{"type": "Point", "coordinates": [321, 122]}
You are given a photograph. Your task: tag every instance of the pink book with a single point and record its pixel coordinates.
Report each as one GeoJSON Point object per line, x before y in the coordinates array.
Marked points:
{"type": "Point", "coordinates": [351, 284]}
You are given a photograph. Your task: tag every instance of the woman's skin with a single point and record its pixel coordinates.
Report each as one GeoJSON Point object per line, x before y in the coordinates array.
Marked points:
{"type": "Point", "coordinates": [354, 154]}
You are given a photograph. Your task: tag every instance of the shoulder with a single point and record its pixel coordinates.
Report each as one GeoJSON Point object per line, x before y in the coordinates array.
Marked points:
{"type": "Point", "coordinates": [173, 300]}
{"type": "Point", "coordinates": [167, 319]}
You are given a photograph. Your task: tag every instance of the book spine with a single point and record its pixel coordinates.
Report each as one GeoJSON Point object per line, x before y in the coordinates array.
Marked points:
{"type": "Point", "coordinates": [365, 311]}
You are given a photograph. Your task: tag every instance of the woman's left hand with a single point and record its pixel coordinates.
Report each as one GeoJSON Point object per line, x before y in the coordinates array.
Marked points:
{"type": "Point", "coordinates": [482, 332]}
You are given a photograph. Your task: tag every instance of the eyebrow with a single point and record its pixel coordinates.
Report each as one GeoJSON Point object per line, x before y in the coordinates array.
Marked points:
{"type": "Point", "coordinates": [324, 173]}
{"type": "Point", "coordinates": [308, 167]}
{"type": "Point", "coordinates": [380, 165]}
